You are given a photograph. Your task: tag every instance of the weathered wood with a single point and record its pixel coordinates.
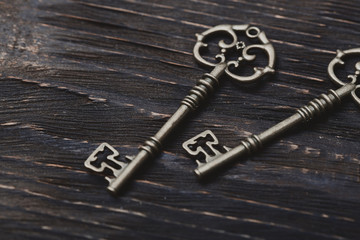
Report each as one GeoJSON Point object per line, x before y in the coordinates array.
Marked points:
{"type": "Point", "coordinates": [77, 73]}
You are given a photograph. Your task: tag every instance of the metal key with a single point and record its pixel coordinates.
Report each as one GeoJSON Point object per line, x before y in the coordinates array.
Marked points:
{"type": "Point", "coordinates": [317, 107]}
{"type": "Point", "coordinates": [121, 171]}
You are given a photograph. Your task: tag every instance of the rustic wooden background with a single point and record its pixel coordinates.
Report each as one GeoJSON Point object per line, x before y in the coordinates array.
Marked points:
{"type": "Point", "coordinates": [77, 73]}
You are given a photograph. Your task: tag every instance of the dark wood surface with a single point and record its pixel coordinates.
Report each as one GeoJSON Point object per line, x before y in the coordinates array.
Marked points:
{"type": "Point", "coordinates": [78, 73]}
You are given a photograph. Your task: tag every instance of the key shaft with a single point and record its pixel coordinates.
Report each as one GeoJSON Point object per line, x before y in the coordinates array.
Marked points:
{"type": "Point", "coordinates": [316, 108]}
{"type": "Point", "coordinates": [198, 94]}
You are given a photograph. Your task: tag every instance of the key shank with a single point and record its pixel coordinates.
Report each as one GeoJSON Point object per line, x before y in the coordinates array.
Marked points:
{"type": "Point", "coordinates": [198, 94]}
{"type": "Point", "coordinates": [315, 108]}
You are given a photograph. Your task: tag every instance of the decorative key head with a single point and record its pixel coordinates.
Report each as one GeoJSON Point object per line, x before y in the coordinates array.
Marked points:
{"type": "Point", "coordinates": [238, 46]}
{"type": "Point", "coordinates": [353, 77]}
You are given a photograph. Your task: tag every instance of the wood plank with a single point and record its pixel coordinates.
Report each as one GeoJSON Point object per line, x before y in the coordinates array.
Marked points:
{"type": "Point", "coordinates": [77, 73]}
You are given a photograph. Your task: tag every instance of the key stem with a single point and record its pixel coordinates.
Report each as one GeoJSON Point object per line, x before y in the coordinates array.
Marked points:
{"type": "Point", "coordinates": [198, 94]}
{"type": "Point", "coordinates": [252, 144]}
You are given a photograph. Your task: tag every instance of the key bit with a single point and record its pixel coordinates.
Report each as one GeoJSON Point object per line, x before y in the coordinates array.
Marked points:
{"type": "Point", "coordinates": [205, 147]}
{"type": "Point", "coordinates": [315, 108]}
{"type": "Point", "coordinates": [198, 94]}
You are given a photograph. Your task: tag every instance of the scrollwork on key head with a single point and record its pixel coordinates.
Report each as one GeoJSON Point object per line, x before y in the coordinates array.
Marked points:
{"type": "Point", "coordinates": [237, 45]}
{"type": "Point", "coordinates": [353, 77]}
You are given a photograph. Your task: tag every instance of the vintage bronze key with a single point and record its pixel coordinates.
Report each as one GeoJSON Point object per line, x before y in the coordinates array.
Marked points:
{"type": "Point", "coordinates": [318, 106]}
{"type": "Point", "coordinates": [121, 171]}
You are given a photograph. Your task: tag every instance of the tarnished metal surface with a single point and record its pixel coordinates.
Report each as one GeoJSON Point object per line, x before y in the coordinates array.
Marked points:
{"type": "Point", "coordinates": [200, 93]}
{"type": "Point", "coordinates": [315, 108]}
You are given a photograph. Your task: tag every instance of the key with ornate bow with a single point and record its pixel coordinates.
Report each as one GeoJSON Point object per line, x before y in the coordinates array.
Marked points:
{"type": "Point", "coordinates": [229, 59]}
{"type": "Point", "coordinates": [315, 108]}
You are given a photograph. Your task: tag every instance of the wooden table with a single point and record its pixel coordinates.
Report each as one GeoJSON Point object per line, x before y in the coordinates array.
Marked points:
{"type": "Point", "coordinates": [78, 73]}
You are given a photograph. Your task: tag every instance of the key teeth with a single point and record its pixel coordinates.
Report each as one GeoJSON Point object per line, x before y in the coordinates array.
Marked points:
{"type": "Point", "coordinates": [130, 157]}
{"type": "Point", "coordinates": [227, 148]}
{"type": "Point", "coordinates": [93, 157]}
{"type": "Point", "coordinates": [193, 148]}
{"type": "Point", "coordinates": [109, 179]}
{"type": "Point", "coordinates": [105, 166]}
{"type": "Point", "coordinates": [199, 163]}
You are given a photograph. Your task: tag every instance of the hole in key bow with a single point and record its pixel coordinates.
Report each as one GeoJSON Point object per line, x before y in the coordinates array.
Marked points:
{"type": "Point", "coordinates": [253, 32]}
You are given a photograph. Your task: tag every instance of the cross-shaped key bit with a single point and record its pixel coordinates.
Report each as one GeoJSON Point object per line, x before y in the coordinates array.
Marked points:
{"type": "Point", "coordinates": [198, 94]}
{"type": "Point", "coordinates": [317, 107]}
{"type": "Point", "coordinates": [205, 147]}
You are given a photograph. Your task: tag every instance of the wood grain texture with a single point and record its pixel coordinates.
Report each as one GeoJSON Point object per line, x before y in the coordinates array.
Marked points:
{"type": "Point", "coordinates": [77, 73]}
